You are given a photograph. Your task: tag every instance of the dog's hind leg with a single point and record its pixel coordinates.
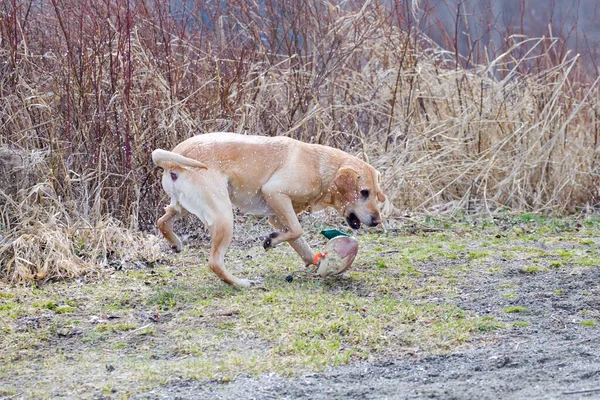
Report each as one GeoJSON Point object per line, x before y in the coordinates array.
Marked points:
{"type": "Point", "coordinates": [221, 232]}
{"type": "Point", "coordinates": [165, 225]}
{"type": "Point", "coordinates": [209, 201]}
{"type": "Point", "coordinates": [299, 245]}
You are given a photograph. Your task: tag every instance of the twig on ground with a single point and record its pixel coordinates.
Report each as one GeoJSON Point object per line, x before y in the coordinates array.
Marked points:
{"type": "Point", "coordinates": [141, 328]}
{"type": "Point", "coordinates": [583, 391]}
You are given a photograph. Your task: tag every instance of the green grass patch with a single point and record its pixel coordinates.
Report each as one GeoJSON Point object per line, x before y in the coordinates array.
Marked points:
{"type": "Point", "coordinates": [7, 392]}
{"type": "Point", "coordinates": [488, 324]}
{"type": "Point", "coordinates": [64, 309]}
{"type": "Point", "coordinates": [567, 254]}
{"type": "Point", "coordinates": [164, 299]}
{"type": "Point", "coordinates": [515, 309]}
{"type": "Point", "coordinates": [117, 327]}
{"type": "Point", "coordinates": [555, 263]}
{"type": "Point", "coordinates": [592, 222]}
{"type": "Point", "coordinates": [476, 254]}
{"type": "Point", "coordinates": [588, 323]}
{"type": "Point", "coordinates": [531, 217]}
{"type": "Point", "coordinates": [532, 269]}
{"type": "Point", "coordinates": [8, 306]}
{"type": "Point", "coordinates": [587, 261]}
{"type": "Point", "coordinates": [53, 305]}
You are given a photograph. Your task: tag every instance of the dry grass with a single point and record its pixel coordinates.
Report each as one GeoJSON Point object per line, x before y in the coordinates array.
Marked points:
{"type": "Point", "coordinates": [43, 239]}
{"type": "Point", "coordinates": [90, 91]}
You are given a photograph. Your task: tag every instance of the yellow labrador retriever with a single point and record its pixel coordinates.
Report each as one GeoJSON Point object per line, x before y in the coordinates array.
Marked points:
{"type": "Point", "coordinates": [276, 177]}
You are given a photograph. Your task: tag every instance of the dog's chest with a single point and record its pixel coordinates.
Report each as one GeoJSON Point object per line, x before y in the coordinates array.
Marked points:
{"type": "Point", "coordinates": [249, 202]}
{"type": "Point", "coordinates": [254, 206]}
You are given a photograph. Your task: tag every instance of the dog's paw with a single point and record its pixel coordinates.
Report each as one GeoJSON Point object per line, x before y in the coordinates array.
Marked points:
{"type": "Point", "coordinates": [243, 283]}
{"type": "Point", "coordinates": [268, 243]}
{"type": "Point", "coordinates": [176, 244]}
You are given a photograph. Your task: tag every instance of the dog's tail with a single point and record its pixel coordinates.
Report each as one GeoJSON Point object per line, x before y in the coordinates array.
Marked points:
{"type": "Point", "coordinates": [160, 157]}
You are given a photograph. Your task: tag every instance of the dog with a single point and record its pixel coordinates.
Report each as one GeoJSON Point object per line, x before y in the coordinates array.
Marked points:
{"type": "Point", "coordinates": [278, 177]}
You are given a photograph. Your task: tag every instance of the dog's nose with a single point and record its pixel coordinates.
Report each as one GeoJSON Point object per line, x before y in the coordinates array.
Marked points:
{"type": "Point", "coordinates": [375, 220]}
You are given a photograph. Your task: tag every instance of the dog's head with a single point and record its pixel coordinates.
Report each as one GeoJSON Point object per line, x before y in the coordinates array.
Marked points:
{"type": "Point", "coordinates": [356, 194]}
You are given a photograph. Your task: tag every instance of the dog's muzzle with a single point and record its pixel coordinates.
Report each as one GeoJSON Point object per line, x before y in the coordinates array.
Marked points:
{"type": "Point", "coordinates": [353, 221]}
{"type": "Point", "coordinates": [375, 220]}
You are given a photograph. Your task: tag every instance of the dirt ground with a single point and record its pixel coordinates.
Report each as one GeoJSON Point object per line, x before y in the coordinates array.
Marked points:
{"type": "Point", "coordinates": [527, 291]}
{"type": "Point", "coordinates": [554, 358]}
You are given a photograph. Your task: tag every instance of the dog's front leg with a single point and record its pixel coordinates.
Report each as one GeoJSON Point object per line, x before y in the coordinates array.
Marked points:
{"type": "Point", "coordinates": [299, 245]}
{"type": "Point", "coordinates": [289, 228]}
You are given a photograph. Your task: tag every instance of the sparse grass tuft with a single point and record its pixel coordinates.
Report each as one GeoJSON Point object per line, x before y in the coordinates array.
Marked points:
{"type": "Point", "coordinates": [515, 309]}
{"type": "Point", "coordinates": [555, 263]}
{"type": "Point", "coordinates": [532, 269]}
{"type": "Point", "coordinates": [489, 324]}
{"type": "Point", "coordinates": [164, 299]}
{"type": "Point", "coordinates": [118, 327]}
{"type": "Point", "coordinates": [473, 255]}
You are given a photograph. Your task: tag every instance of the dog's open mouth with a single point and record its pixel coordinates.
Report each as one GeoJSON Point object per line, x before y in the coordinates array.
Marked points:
{"type": "Point", "coordinates": [353, 221]}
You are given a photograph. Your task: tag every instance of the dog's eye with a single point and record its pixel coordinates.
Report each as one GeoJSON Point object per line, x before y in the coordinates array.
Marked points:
{"type": "Point", "coordinates": [364, 193]}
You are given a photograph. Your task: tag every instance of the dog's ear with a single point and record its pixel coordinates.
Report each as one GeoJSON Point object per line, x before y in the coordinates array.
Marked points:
{"type": "Point", "coordinates": [380, 197]}
{"type": "Point", "coordinates": [345, 183]}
